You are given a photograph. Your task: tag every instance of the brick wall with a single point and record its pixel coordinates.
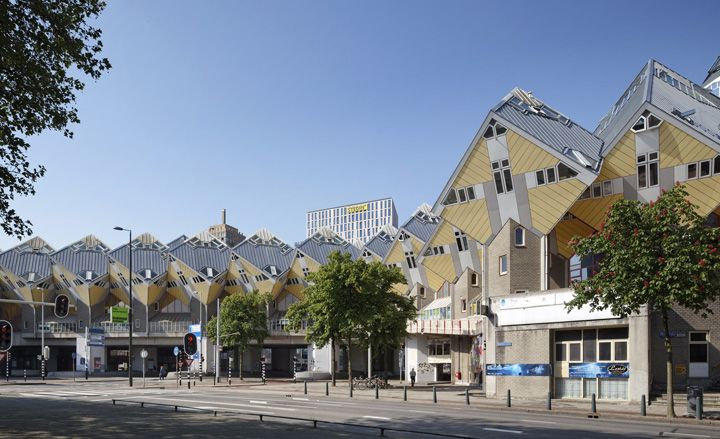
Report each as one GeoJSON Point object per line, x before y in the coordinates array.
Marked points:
{"type": "Point", "coordinates": [528, 346]}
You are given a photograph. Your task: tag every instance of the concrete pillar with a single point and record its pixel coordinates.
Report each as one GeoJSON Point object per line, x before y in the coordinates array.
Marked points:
{"type": "Point", "coordinates": [639, 355]}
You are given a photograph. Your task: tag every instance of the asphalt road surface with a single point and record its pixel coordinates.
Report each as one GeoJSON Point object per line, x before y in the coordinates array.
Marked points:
{"type": "Point", "coordinates": [87, 410]}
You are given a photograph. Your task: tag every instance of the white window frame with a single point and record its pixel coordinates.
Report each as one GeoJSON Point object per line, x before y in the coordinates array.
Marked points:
{"type": "Point", "coordinates": [474, 279]}
{"type": "Point", "coordinates": [500, 265]}
{"type": "Point", "coordinates": [699, 369]}
{"type": "Point", "coordinates": [502, 167]}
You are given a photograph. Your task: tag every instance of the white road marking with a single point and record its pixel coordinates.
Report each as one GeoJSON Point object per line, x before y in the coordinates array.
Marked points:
{"type": "Point", "coordinates": [538, 422]}
{"type": "Point", "coordinates": [38, 395]}
{"type": "Point", "coordinates": [420, 411]}
{"type": "Point", "coordinates": [501, 430]}
{"type": "Point", "coordinates": [674, 434]}
{"type": "Point", "coordinates": [208, 407]}
{"type": "Point", "coordinates": [257, 402]}
{"type": "Point", "coordinates": [377, 417]}
{"type": "Point", "coordinates": [301, 399]}
{"type": "Point", "coordinates": [171, 400]}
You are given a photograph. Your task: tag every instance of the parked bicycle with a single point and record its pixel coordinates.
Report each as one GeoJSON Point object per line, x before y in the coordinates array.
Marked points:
{"type": "Point", "coordinates": [361, 383]}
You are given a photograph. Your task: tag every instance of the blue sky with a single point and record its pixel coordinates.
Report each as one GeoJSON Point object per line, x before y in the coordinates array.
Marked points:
{"type": "Point", "coordinates": [273, 108]}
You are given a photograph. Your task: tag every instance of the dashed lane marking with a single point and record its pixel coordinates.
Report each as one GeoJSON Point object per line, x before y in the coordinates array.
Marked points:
{"type": "Point", "coordinates": [380, 418]}
{"type": "Point", "coordinates": [502, 430]}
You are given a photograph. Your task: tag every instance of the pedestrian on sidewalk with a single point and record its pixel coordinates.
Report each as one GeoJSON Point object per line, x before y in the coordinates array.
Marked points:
{"type": "Point", "coordinates": [412, 377]}
{"type": "Point", "coordinates": [163, 372]}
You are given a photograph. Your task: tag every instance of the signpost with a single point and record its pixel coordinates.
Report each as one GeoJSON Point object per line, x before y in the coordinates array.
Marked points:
{"type": "Point", "coordinates": [119, 314]}
{"type": "Point", "coordinates": [74, 356]}
{"type": "Point", "coordinates": [144, 355]}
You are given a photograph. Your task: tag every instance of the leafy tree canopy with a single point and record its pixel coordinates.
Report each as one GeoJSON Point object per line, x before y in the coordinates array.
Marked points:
{"type": "Point", "coordinates": [243, 318]}
{"type": "Point", "coordinates": [46, 48]}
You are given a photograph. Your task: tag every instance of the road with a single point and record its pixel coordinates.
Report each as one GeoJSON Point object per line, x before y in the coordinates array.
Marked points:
{"type": "Point", "coordinates": [86, 410]}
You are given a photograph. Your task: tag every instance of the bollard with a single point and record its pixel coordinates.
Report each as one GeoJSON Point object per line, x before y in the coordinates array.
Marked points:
{"type": "Point", "coordinates": [642, 406]}
{"type": "Point", "coordinates": [327, 388]}
{"type": "Point", "coordinates": [467, 396]}
{"type": "Point", "coordinates": [25, 375]}
{"type": "Point", "coordinates": [86, 373]}
{"type": "Point", "coordinates": [434, 395]}
{"type": "Point", "coordinates": [699, 408]}
{"type": "Point", "coordinates": [508, 398]}
{"type": "Point", "coordinates": [549, 401]}
{"type": "Point", "coordinates": [404, 393]}
{"type": "Point", "coordinates": [377, 391]}
{"type": "Point", "coordinates": [351, 389]}
{"type": "Point", "coordinates": [188, 383]}
{"type": "Point", "coordinates": [593, 406]}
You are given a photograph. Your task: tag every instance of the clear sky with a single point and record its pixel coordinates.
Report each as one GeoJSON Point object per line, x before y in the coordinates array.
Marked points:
{"type": "Point", "coordinates": [273, 108]}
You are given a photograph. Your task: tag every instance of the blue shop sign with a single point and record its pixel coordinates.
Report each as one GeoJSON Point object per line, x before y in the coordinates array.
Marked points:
{"type": "Point", "coordinates": [519, 369]}
{"type": "Point", "coordinates": [599, 370]}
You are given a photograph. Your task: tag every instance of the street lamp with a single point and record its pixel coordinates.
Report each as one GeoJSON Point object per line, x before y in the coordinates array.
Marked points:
{"type": "Point", "coordinates": [130, 316]}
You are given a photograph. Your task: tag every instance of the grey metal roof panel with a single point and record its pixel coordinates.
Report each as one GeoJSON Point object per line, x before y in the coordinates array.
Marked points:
{"type": "Point", "coordinates": [199, 257]}
{"type": "Point", "coordinates": [675, 95]}
{"type": "Point", "coordinates": [321, 250]}
{"type": "Point", "coordinates": [553, 132]}
{"type": "Point", "coordinates": [176, 242]}
{"type": "Point", "coordinates": [143, 258]}
{"type": "Point", "coordinates": [79, 261]}
{"type": "Point", "coordinates": [262, 255]}
{"type": "Point", "coordinates": [21, 262]}
{"type": "Point", "coordinates": [422, 229]}
{"type": "Point", "coordinates": [379, 246]}
{"type": "Point", "coordinates": [619, 115]}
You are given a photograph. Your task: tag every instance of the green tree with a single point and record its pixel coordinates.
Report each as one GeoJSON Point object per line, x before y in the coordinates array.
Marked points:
{"type": "Point", "coordinates": [659, 255]}
{"type": "Point", "coordinates": [243, 319]}
{"type": "Point", "coordinates": [352, 301]}
{"type": "Point", "coordinates": [46, 49]}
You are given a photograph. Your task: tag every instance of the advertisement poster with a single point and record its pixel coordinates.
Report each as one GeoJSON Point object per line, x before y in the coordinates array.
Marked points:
{"type": "Point", "coordinates": [600, 370]}
{"type": "Point", "coordinates": [476, 354]}
{"type": "Point", "coordinates": [516, 370]}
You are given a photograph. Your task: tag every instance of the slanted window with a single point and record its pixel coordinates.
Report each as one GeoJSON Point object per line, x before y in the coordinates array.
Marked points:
{"type": "Point", "coordinates": [461, 241]}
{"type": "Point", "coordinates": [540, 176]}
{"type": "Point", "coordinates": [410, 258]}
{"type": "Point", "coordinates": [716, 164]}
{"type": "Point", "coordinates": [596, 190]}
{"type": "Point", "coordinates": [502, 176]}
{"type": "Point", "coordinates": [462, 195]}
{"type": "Point", "coordinates": [550, 175]}
{"type": "Point", "coordinates": [450, 198]}
{"type": "Point", "coordinates": [519, 237]}
{"type": "Point", "coordinates": [503, 262]}
{"type": "Point", "coordinates": [564, 172]}
{"type": "Point", "coordinates": [607, 188]}
{"type": "Point", "coordinates": [691, 171]}
{"type": "Point", "coordinates": [640, 124]}
{"type": "Point", "coordinates": [494, 129]}
{"type": "Point", "coordinates": [646, 122]}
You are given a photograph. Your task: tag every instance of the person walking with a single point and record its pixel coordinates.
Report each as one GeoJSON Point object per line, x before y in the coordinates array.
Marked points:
{"type": "Point", "coordinates": [163, 372]}
{"type": "Point", "coordinates": [412, 377]}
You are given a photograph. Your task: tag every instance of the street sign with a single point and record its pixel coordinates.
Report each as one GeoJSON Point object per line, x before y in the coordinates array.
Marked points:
{"type": "Point", "coordinates": [119, 314]}
{"type": "Point", "coordinates": [143, 354]}
{"type": "Point", "coordinates": [95, 337]}
{"type": "Point", "coordinates": [176, 351]}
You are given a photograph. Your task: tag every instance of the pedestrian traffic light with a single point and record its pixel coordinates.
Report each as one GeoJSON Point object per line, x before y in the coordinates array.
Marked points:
{"type": "Point", "coordinates": [190, 344]}
{"type": "Point", "coordinates": [62, 306]}
{"type": "Point", "coordinates": [5, 335]}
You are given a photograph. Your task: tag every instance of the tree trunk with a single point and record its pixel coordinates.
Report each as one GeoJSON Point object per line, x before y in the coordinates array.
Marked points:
{"type": "Point", "coordinates": [240, 358]}
{"type": "Point", "coordinates": [332, 361]}
{"type": "Point", "coordinates": [349, 361]}
{"type": "Point", "coordinates": [668, 365]}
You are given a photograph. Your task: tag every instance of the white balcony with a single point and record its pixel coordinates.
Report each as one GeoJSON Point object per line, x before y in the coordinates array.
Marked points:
{"type": "Point", "coordinates": [446, 326]}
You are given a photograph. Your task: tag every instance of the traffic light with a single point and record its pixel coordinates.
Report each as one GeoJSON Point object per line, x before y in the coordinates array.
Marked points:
{"type": "Point", "coordinates": [62, 306]}
{"type": "Point", "coordinates": [5, 335]}
{"type": "Point", "coordinates": [190, 344]}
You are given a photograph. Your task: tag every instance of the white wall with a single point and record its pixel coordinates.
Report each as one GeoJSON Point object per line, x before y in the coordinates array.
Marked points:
{"type": "Point", "coordinates": [525, 309]}
{"type": "Point", "coordinates": [416, 353]}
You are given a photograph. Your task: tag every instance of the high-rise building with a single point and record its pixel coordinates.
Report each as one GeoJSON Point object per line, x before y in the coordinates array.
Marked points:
{"type": "Point", "coordinates": [354, 222]}
{"type": "Point", "coordinates": [712, 81]}
{"type": "Point", "coordinates": [226, 233]}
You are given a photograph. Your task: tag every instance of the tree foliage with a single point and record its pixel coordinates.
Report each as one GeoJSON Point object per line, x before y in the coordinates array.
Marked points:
{"type": "Point", "coordinates": [659, 254]}
{"type": "Point", "coordinates": [353, 301]}
{"type": "Point", "coordinates": [46, 49]}
{"type": "Point", "coordinates": [243, 318]}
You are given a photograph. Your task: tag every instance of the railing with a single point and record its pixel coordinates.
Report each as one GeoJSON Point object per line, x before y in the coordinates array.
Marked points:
{"type": "Point", "coordinates": [58, 327]}
{"type": "Point", "coordinates": [168, 327]}
{"type": "Point", "coordinates": [280, 327]}
{"type": "Point", "coordinates": [446, 326]}
{"type": "Point", "coordinates": [111, 328]}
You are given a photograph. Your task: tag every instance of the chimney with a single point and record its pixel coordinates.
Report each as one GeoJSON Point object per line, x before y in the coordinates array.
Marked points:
{"type": "Point", "coordinates": [222, 216]}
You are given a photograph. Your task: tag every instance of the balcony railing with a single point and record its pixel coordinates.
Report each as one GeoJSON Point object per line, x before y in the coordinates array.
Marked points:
{"type": "Point", "coordinates": [446, 327]}
{"type": "Point", "coordinates": [58, 327]}
{"type": "Point", "coordinates": [168, 327]}
{"type": "Point", "coordinates": [279, 327]}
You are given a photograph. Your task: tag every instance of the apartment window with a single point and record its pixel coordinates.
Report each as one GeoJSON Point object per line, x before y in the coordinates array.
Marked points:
{"type": "Point", "coordinates": [716, 163]}
{"type": "Point", "coordinates": [596, 190]}
{"type": "Point", "coordinates": [564, 172]}
{"type": "Point", "coordinates": [607, 188]}
{"type": "Point", "coordinates": [463, 305]}
{"type": "Point", "coordinates": [540, 177]}
{"type": "Point", "coordinates": [648, 170]}
{"type": "Point", "coordinates": [704, 168]}
{"type": "Point", "coordinates": [502, 176]}
{"type": "Point", "coordinates": [692, 171]}
{"type": "Point", "coordinates": [503, 264]}
{"type": "Point", "coordinates": [494, 129]}
{"type": "Point", "coordinates": [645, 122]}
{"type": "Point", "coordinates": [698, 354]}
{"type": "Point", "coordinates": [519, 237]}
{"type": "Point", "coordinates": [474, 279]}
{"type": "Point", "coordinates": [410, 258]}
{"type": "Point", "coordinates": [244, 277]}
{"type": "Point", "coordinates": [550, 173]}
{"type": "Point", "coordinates": [461, 241]}
{"type": "Point", "coordinates": [520, 291]}
{"type": "Point", "coordinates": [422, 291]}
{"type": "Point", "coordinates": [156, 306]}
